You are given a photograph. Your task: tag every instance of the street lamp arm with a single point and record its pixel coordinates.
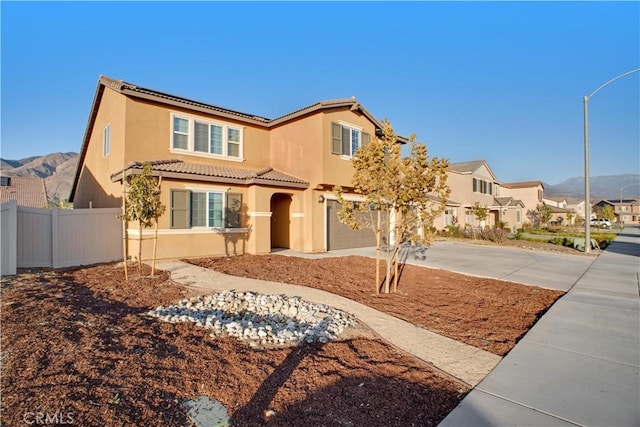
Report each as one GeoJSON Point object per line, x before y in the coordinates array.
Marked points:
{"type": "Point", "coordinates": [611, 81]}
{"type": "Point", "coordinates": [629, 185]}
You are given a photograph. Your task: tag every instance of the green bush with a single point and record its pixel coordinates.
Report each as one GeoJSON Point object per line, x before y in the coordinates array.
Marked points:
{"type": "Point", "coordinates": [452, 231]}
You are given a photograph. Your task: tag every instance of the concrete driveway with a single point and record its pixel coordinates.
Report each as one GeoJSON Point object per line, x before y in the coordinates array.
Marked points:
{"type": "Point", "coordinates": [545, 269]}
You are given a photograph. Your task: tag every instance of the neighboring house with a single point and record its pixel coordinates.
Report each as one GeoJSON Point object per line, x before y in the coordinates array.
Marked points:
{"type": "Point", "coordinates": [561, 216]}
{"type": "Point", "coordinates": [474, 182]}
{"type": "Point", "coordinates": [577, 206]}
{"type": "Point", "coordinates": [529, 192]}
{"type": "Point", "coordinates": [26, 191]}
{"type": "Point", "coordinates": [232, 182]}
{"type": "Point", "coordinates": [627, 211]}
{"type": "Point", "coordinates": [557, 202]}
{"type": "Point", "coordinates": [561, 213]}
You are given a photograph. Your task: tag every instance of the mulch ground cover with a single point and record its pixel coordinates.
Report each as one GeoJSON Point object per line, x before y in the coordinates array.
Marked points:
{"type": "Point", "coordinates": [78, 348]}
{"type": "Point", "coordinates": [486, 313]}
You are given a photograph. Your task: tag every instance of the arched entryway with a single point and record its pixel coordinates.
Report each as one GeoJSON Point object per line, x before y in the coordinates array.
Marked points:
{"type": "Point", "coordinates": [280, 220]}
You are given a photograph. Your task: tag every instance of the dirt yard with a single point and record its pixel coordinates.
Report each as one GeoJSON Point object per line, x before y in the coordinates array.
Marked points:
{"type": "Point", "coordinates": [486, 313]}
{"type": "Point", "coordinates": [78, 345]}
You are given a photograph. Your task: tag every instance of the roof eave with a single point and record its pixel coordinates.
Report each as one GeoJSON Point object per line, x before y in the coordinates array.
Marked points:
{"type": "Point", "coordinates": [184, 176]}
{"type": "Point", "coordinates": [87, 134]}
{"type": "Point", "coordinates": [187, 105]}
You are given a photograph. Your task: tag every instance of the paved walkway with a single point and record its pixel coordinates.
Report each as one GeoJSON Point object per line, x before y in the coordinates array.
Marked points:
{"type": "Point", "coordinates": [580, 364]}
{"type": "Point", "coordinates": [463, 361]}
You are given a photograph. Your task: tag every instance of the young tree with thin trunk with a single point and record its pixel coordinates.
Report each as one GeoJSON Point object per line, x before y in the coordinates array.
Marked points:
{"type": "Point", "coordinates": [481, 213]}
{"type": "Point", "coordinates": [402, 195]}
{"type": "Point", "coordinates": [544, 213]}
{"type": "Point", "coordinates": [143, 205]}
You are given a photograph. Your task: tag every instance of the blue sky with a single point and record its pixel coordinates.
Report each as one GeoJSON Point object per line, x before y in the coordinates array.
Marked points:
{"type": "Point", "coordinates": [499, 81]}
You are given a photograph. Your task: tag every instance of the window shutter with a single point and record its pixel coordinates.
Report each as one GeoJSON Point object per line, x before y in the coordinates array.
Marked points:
{"type": "Point", "coordinates": [180, 215]}
{"type": "Point", "coordinates": [366, 138]}
{"type": "Point", "coordinates": [346, 141]}
{"type": "Point", "coordinates": [233, 210]}
{"type": "Point", "coordinates": [336, 138]}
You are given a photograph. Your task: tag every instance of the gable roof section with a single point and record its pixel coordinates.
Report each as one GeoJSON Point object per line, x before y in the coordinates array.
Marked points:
{"type": "Point", "coordinates": [140, 92]}
{"type": "Point", "coordinates": [470, 167]}
{"type": "Point", "coordinates": [615, 202]}
{"type": "Point", "coordinates": [178, 169]}
{"type": "Point", "coordinates": [524, 184]}
{"type": "Point", "coordinates": [507, 202]}
{"type": "Point", "coordinates": [26, 191]}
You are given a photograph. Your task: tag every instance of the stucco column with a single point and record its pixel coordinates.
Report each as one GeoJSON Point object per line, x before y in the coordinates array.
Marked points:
{"type": "Point", "coordinates": [259, 221]}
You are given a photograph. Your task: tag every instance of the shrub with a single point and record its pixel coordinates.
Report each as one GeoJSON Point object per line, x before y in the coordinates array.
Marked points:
{"type": "Point", "coordinates": [497, 235]}
{"type": "Point", "coordinates": [453, 231]}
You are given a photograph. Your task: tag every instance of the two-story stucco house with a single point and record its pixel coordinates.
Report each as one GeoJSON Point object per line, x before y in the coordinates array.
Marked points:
{"type": "Point", "coordinates": [232, 182]}
{"type": "Point", "coordinates": [626, 211]}
{"type": "Point", "coordinates": [474, 182]}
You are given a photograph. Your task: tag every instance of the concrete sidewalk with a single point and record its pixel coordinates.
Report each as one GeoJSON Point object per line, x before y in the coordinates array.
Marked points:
{"type": "Point", "coordinates": [463, 361]}
{"type": "Point", "coordinates": [580, 364]}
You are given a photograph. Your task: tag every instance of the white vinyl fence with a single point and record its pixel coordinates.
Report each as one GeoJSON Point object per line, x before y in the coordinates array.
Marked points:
{"type": "Point", "coordinates": [58, 238]}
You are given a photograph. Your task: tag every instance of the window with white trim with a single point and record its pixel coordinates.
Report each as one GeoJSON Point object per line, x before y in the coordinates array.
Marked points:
{"type": "Point", "coordinates": [106, 140]}
{"type": "Point", "coordinates": [345, 139]}
{"type": "Point", "coordinates": [206, 137]}
{"type": "Point", "coordinates": [205, 209]}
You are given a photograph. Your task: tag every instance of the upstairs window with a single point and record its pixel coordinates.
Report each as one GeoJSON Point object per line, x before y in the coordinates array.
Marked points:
{"type": "Point", "coordinates": [345, 140]}
{"type": "Point", "coordinates": [106, 140]}
{"type": "Point", "coordinates": [204, 137]}
{"type": "Point", "coordinates": [483, 187]}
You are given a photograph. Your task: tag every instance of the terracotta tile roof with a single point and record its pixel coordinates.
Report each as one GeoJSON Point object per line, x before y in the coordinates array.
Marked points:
{"type": "Point", "coordinates": [26, 191]}
{"type": "Point", "coordinates": [179, 169]}
{"type": "Point", "coordinates": [122, 86]}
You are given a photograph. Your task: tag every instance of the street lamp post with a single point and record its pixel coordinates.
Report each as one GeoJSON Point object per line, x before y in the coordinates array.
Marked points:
{"type": "Point", "coordinates": [587, 198]}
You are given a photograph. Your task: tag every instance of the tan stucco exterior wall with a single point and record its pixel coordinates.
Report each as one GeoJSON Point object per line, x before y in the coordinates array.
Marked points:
{"type": "Point", "coordinates": [149, 132]}
{"type": "Point", "coordinates": [94, 186]}
{"type": "Point", "coordinates": [302, 148]}
{"type": "Point", "coordinates": [528, 196]}
{"type": "Point", "coordinates": [256, 219]}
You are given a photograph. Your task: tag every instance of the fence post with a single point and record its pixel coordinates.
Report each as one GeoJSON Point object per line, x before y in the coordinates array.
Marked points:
{"type": "Point", "coordinates": [9, 237]}
{"type": "Point", "coordinates": [55, 238]}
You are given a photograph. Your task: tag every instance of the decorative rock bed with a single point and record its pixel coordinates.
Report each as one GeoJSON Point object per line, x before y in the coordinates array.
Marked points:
{"type": "Point", "coordinates": [259, 319]}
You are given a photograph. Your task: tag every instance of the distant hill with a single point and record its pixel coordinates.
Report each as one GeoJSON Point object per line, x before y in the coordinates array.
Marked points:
{"type": "Point", "coordinates": [57, 169]}
{"type": "Point", "coordinates": [600, 187]}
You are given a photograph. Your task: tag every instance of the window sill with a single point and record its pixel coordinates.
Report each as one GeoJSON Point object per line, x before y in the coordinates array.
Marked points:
{"type": "Point", "coordinates": [206, 155]}
{"type": "Point", "coordinates": [194, 230]}
{"type": "Point", "coordinates": [231, 230]}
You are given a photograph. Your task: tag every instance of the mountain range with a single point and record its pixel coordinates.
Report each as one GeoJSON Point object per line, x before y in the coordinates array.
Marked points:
{"type": "Point", "coordinates": [610, 187]}
{"type": "Point", "coordinates": [58, 171]}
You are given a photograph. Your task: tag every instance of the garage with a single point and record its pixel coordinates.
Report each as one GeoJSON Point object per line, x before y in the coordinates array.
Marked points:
{"type": "Point", "coordinates": [340, 236]}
